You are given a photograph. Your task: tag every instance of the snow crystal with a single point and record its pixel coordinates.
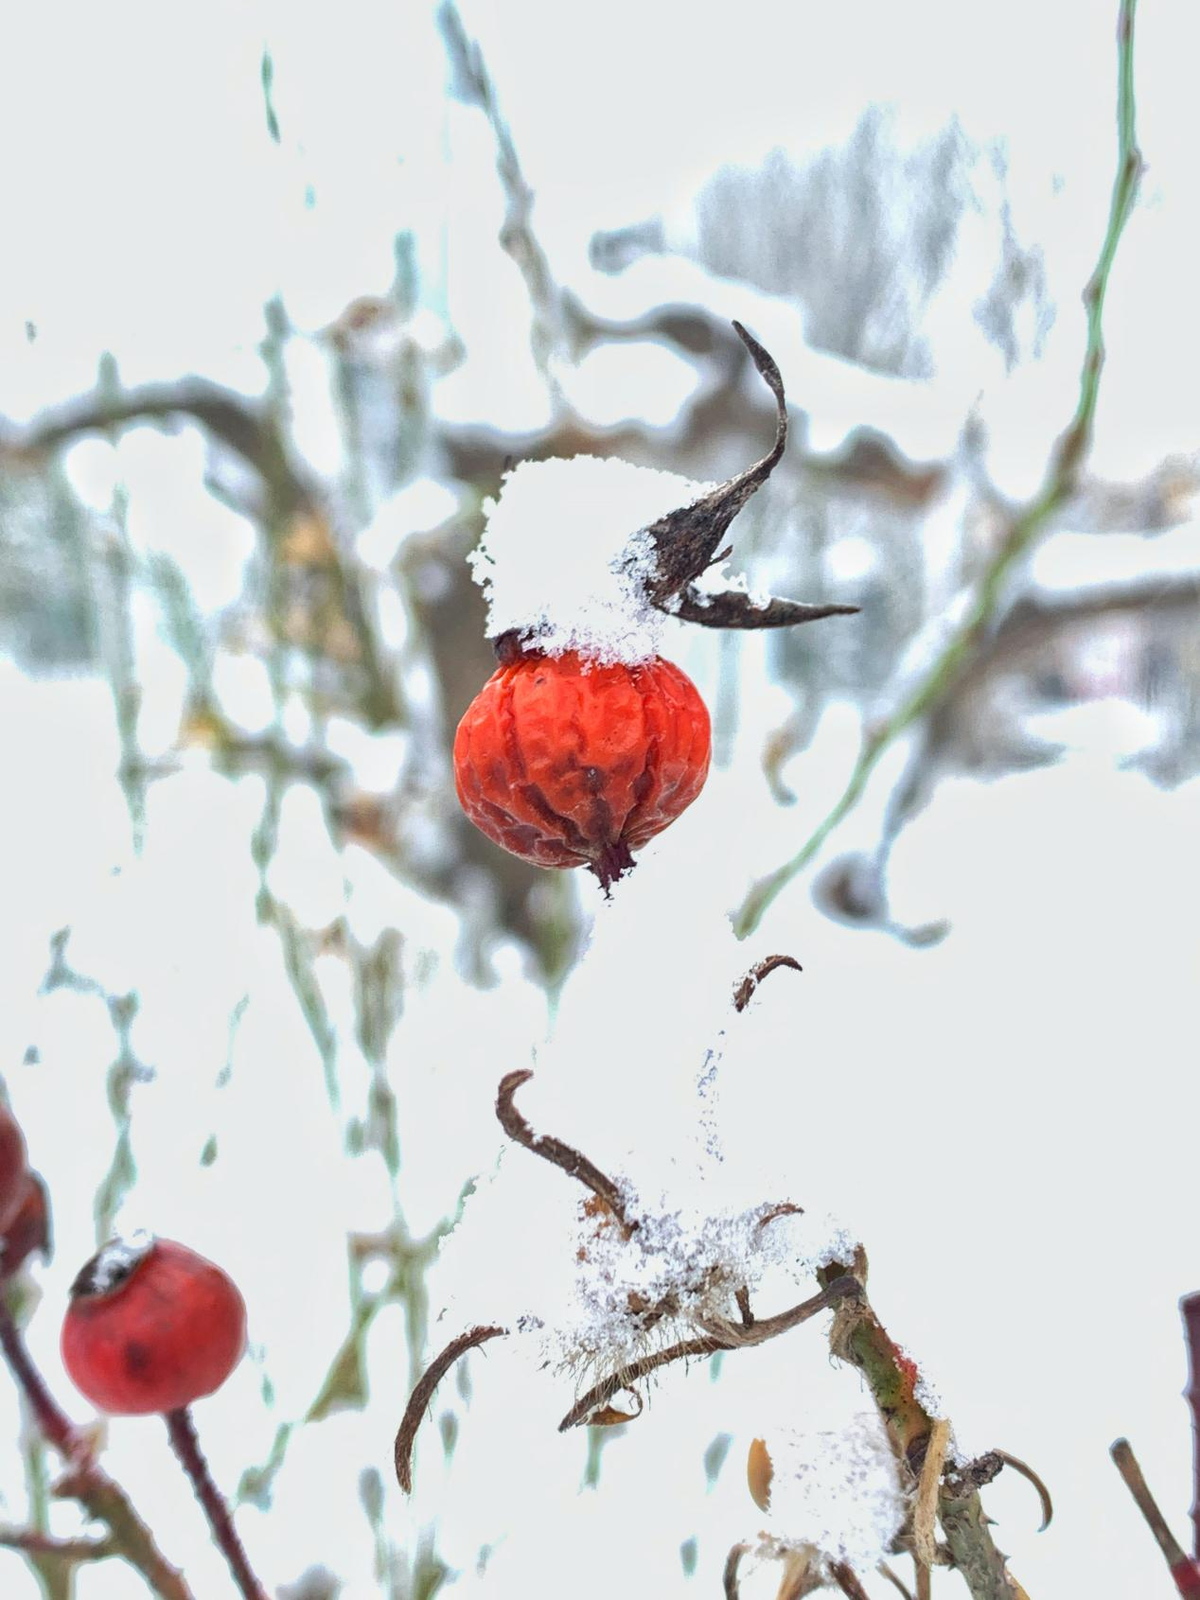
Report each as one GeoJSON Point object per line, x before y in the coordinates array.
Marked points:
{"type": "Point", "coordinates": [565, 557]}
{"type": "Point", "coordinates": [835, 1492]}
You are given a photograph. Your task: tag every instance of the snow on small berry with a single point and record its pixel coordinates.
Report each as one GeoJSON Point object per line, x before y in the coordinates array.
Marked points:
{"type": "Point", "coordinates": [151, 1327]}
{"type": "Point", "coordinates": [586, 743]}
{"type": "Point", "coordinates": [566, 763]}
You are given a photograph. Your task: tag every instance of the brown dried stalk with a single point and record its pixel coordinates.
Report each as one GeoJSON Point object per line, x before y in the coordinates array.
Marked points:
{"type": "Point", "coordinates": [419, 1400]}
{"type": "Point", "coordinates": [847, 1581]}
{"type": "Point", "coordinates": [573, 1162]}
{"type": "Point", "coordinates": [1185, 1571]}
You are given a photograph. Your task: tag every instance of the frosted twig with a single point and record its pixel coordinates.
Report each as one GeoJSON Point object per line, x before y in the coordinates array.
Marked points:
{"type": "Point", "coordinates": [572, 1161]}
{"type": "Point", "coordinates": [419, 1400]}
{"type": "Point", "coordinates": [745, 990]}
{"type": "Point", "coordinates": [601, 1393]}
{"type": "Point", "coordinates": [723, 1336]}
{"type": "Point", "coordinates": [1185, 1571]}
{"type": "Point", "coordinates": [1060, 482]}
{"type": "Point", "coordinates": [859, 1338]}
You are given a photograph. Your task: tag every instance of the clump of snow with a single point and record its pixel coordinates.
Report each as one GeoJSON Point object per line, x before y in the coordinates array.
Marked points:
{"type": "Point", "coordinates": [836, 1493]}
{"type": "Point", "coordinates": [565, 557]}
{"type": "Point", "coordinates": [113, 1264]}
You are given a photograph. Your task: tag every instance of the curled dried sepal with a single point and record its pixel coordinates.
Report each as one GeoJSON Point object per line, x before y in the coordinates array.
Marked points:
{"type": "Point", "coordinates": [613, 1416]}
{"type": "Point", "coordinates": [687, 540]}
{"type": "Point", "coordinates": [573, 1162]}
{"type": "Point", "coordinates": [419, 1400]}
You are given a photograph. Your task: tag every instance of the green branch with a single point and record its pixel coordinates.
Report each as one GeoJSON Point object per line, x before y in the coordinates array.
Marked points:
{"type": "Point", "coordinates": [1060, 482]}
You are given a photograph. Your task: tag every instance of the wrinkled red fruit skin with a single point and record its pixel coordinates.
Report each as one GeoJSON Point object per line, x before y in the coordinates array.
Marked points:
{"type": "Point", "coordinates": [169, 1333]}
{"type": "Point", "coordinates": [564, 762]}
{"type": "Point", "coordinates": [12, 1168]}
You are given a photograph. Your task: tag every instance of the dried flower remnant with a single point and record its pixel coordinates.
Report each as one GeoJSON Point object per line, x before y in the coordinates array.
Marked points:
{"type": "Point", "coordinates": [643, 1286]}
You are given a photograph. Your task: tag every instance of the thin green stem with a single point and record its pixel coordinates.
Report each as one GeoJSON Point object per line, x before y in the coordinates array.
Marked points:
{"type": "Point", "coordinates": [1062, 476]}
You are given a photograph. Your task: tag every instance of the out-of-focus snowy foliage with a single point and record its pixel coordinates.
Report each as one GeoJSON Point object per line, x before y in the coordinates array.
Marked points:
{"type": "Point", "coordinates": [264, 364]}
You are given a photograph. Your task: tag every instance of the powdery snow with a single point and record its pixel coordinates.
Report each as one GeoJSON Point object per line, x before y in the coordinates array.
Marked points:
{"type": "Point", "coordinates": [565, 557]}
{"type": "Point", "coordinates": [835, 1495]}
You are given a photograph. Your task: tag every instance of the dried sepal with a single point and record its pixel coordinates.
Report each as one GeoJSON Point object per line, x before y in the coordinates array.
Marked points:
{"type": "Point", "coordinates": [687, 540]}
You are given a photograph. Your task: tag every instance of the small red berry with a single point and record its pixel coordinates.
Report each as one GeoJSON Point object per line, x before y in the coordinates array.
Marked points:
{"type": "Point", "coordinates": [568, 763]}
{"type": "Point", "coordinates": [151, 1326]}
{"type": "Point", "coordinates": [13, 1168]}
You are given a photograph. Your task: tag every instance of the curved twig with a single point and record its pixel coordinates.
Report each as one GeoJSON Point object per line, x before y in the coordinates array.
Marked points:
{"type": "Point", "coordinates": [763, 1329]}
{"type": "Point", "coordinates": [573, 1162]}
{"type": "Point", "coordinates": [745, 990]}
{"type": "Point", "coordinates": [419, 1399]}
{"type": "Point", "coordinates": [601, 1393]}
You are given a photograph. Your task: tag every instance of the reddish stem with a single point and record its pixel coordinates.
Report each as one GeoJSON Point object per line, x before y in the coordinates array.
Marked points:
{"type": "Point", "coordinates": [1190, 1308]}
{"type": "Point", "coordinates": [187, 1447]}
{"type": "Point", "coordinates": [53, 1424]}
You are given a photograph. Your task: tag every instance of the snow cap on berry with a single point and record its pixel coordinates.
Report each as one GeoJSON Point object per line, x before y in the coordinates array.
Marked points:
{"type": "Point", "coordinates": [112, 1264]}
{"type": "Point", "coordinates": [566, 559]}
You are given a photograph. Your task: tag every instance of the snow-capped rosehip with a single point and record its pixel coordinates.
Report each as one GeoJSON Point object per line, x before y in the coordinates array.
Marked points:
{"type": "Point", "coordinates": [151, 1326]}
{"type": "Point", "coordinates": [566, 762]}
{"type": "Point", "coordinates": [13, 1167]}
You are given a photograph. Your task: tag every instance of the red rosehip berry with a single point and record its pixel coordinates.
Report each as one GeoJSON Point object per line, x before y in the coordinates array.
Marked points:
{"type": "Point", "coordinates": [13, 1168]}
{"type": "Point", "coordinates": [151, 1326]}
{"type": "Point", "coordinates": [568, 763]}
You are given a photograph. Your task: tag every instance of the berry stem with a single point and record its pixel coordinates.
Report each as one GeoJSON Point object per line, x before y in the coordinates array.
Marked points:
{"type": "Point", "coordinates": [84, 1480]}
{"type": "Point", "coordinates": [53, 1424]}
{"type": "Point", "coordinates": [184, 1442]}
